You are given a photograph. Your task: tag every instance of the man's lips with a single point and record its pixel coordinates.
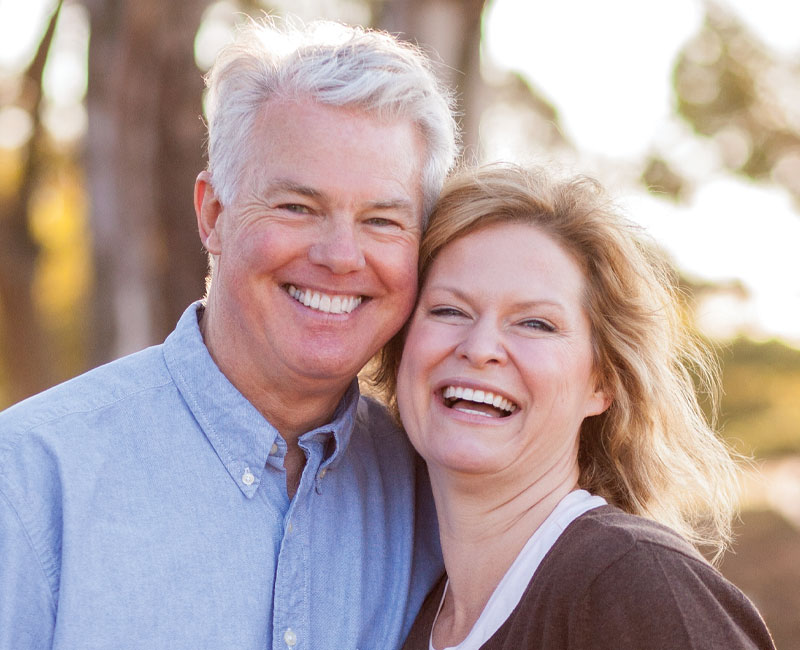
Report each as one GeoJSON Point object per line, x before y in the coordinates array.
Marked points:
{"type": "Point", "coordinates": [324, 302]}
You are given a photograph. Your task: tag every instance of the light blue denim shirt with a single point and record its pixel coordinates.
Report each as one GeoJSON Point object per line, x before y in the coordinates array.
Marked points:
{"type": "Point", "coordinates": [143, 505]}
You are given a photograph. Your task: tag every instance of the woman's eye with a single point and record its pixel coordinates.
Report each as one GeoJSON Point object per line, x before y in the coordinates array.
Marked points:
{"type": "Point", "coordinates": [538, 324]}
{"type": "Point", "coordinates": [446, 312]}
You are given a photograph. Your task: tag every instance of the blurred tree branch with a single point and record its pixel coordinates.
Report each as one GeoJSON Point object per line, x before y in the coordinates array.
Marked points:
{"type": "Point", "coordinates": [451, 29]}
{"type": "Point", "coordinates": [22, 339]}
{"type": "Point", "coordinates": [144, 149]}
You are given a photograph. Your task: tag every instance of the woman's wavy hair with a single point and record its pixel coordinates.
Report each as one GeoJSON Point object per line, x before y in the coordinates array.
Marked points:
{"type": "Point", "coordinates": [653, 452]}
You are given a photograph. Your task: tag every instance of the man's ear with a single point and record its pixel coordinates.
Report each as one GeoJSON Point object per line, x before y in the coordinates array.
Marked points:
{"type": "Point", "coordinates": [208, 208]}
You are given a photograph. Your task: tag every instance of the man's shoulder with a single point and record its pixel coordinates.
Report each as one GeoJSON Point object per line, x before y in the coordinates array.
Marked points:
{"type": "Point", "coordinates": [92, 391]}
{"type": "Point", "coordinates": [374, 418]}
{"type": "Point", "coordinates": [377, 434]}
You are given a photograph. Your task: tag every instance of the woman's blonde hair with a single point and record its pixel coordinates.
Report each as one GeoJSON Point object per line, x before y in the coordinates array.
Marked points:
{"type": "Point", "coordinates": [652, 452]}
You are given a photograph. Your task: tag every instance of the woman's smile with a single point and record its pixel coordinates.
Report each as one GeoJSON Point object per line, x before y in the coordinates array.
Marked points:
{"type": "Point", "coordinates": [477, 401]}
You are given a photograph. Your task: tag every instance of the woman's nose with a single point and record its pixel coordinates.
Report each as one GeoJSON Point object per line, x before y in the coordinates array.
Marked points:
{"type": "Point", "coordinates": [483, 344]}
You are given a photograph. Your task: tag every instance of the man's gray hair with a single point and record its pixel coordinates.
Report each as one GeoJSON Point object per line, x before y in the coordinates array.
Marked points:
{"type": "Point", "coordinates": [332, 64]}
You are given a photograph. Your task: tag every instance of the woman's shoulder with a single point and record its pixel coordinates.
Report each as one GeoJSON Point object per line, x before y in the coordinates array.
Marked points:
{"type": "Point", "coordinates": [605, 543]}
{"type": "Point", "coordinates": [625, 577]}
{"type": "Point", "coordinates": [606, 547]}
{"type": "Point", "coordinates": [611, 533]}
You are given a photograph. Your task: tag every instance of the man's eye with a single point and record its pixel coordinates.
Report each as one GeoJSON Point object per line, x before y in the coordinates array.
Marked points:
{"type": "Point", "coordinates": [382, 222]}
{"type": "Point", "coordinates": [538, 324]}
{"type": "Point", "coordinates": [295, 207]}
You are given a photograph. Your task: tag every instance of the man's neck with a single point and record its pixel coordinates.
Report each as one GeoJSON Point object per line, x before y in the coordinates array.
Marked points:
{"type": "Point", "coordinates": [291, 406]}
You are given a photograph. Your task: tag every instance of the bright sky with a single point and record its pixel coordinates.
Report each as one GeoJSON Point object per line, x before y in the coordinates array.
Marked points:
{"type": "Point", "coordinates": [19, 24]}
{"type": "Point", "coordinates": [606, 67]}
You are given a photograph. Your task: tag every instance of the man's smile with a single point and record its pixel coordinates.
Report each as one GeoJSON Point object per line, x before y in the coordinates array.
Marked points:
{"type": "Point", "coordinates": [327, 303]}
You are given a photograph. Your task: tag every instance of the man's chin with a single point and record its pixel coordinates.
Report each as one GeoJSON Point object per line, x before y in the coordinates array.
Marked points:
{"type": "Point", "coordinates": [331, 367]}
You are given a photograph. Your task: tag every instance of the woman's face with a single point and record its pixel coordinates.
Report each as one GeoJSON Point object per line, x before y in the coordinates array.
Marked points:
{"type": "Point", "coordinates": [500, 318]}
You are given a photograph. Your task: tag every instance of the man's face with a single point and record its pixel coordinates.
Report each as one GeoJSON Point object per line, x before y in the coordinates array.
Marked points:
{"type": "Point", "coordinates": [317, 255]}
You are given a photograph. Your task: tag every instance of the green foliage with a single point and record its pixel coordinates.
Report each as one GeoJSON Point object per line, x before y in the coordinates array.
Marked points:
{"type": "Point", "coordinates": [660, 179]}
{"type": "Point", "coordinates": [728, 87]}
{"type": "Point", "coordinates": [760, 411]}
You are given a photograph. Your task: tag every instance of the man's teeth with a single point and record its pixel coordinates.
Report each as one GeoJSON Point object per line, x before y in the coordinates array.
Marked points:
{"type": "Point", "coordinates": [479, 397]}
{"type": "Point", "coordinates": [324, 302]}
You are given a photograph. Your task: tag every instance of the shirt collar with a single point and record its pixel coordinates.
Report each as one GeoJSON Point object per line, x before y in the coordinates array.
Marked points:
{"type": "Point", "coordinates": [338, 430]}
{"type": "Point", "coordinates": [241, 437]}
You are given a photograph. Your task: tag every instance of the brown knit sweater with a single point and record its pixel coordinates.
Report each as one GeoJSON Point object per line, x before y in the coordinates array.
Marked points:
{"type": "Point", "coordinates": [614, 581]}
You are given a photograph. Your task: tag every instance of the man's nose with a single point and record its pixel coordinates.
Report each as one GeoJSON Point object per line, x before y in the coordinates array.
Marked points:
{"type": "Point", "coordinates": [338, 247]}
{"type": "Point", "coordinates": [483, 344]}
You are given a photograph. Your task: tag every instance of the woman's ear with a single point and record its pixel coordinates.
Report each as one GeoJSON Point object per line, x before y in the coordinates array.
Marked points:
{"type": "Point", "coordinates": [208, 208]}
{"type": "Point", "coordinates": [599, 400]}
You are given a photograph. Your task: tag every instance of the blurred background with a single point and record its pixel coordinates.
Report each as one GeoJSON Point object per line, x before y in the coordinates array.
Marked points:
{"type": "Point", "coordinates": [689, 111]}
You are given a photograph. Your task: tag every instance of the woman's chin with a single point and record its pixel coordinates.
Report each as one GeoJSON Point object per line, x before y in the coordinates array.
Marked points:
{"type": "Point", "coordinates": [466, 460]}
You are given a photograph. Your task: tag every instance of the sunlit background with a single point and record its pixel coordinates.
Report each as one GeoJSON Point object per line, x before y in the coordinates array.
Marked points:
{"type": "Point", "coordinates": [688, 111]}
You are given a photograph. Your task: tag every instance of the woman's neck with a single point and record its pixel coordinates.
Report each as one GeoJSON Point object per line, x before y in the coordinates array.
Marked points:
{"type": "Point", "coordinates": [483, 526]}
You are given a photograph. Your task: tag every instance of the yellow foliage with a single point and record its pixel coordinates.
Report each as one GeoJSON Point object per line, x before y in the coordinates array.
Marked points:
{"type": "Point", "coordinates": [10, 172]}
{"type": "Point", "coordinates": [761, 404]}
{"type": "Point", "coordinates": [58, 222]}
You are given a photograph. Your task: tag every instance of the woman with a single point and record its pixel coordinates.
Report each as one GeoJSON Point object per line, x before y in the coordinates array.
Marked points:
{"type": "Point", "coordinates": [547, 381]}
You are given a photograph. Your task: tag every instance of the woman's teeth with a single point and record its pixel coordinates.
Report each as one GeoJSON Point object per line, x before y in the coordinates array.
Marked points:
{"type": "Point", "coordinates": [324, 302]}
{"type": "Point", "coordinates": [451, 394]}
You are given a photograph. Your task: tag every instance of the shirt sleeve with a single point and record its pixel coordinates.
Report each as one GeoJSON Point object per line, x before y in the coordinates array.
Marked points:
{"type": "Point", "coordinates": [660, 599]}
{"type": "Point", "coordinates": [27, 610]}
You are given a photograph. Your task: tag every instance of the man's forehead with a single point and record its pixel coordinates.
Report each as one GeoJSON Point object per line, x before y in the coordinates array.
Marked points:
{"type": "Point", "coordinates": [323, 152]}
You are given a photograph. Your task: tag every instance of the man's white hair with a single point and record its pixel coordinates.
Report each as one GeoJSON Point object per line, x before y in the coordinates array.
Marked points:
{"type": "Point", "coordinates": [332, 64]}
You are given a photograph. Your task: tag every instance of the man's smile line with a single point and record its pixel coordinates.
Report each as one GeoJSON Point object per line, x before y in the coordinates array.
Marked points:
{"type": "Point", "coordinates": [327, 303]}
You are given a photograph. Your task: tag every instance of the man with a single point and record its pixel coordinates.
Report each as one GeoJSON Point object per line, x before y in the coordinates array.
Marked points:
{"type": "Point", "coordinates": [229, 488]}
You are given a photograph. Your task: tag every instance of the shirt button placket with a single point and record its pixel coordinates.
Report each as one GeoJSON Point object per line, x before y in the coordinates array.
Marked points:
{"type": "Point", "coordinates": [289, 637]}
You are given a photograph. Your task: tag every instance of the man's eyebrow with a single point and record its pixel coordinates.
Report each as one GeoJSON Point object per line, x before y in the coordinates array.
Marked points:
{"type": "Point", "coordinates": [287, 185]}
{"type": "Point", "coordinates": [393, 204]}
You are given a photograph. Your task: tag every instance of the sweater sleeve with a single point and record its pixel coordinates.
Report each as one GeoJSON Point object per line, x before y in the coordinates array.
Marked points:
{"type": "Point", "coordinates": [27, 610]}
{"type": "Point", "coordinates": [658, 598]}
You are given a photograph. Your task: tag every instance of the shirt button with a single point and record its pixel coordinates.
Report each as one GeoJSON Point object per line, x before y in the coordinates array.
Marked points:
{"type": "Point", "coordinates": [274, 449]}
{"type": "Point", "coordinates": [247, 477]}
{"type": "Point", "coordinates": [290, 637]}
{"type": "Point", "coordinates": [322, 472]}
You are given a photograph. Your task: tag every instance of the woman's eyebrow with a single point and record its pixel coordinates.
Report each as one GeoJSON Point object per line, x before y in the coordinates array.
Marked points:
{"type": "Point", "coordinates": [522, 304]}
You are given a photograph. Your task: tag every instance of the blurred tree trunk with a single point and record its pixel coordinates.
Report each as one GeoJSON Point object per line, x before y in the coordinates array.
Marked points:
{"type": "Point", "coordinates": [23, 343]}
{"type": "Point", "coordinates": [452, 29]}
{"type": "Point", "coordinates": [144, 149]}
